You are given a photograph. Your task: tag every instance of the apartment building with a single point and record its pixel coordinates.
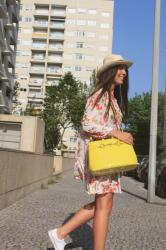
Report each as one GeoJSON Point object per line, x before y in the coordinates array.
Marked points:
{"type": "Point", "coordinates": [60, 36]}
{"type": "Point", "coordinates": [9, 17]}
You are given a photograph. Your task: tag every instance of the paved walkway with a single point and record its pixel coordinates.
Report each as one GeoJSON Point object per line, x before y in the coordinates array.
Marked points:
{"type": "Point", "coordinates": [134, 224]}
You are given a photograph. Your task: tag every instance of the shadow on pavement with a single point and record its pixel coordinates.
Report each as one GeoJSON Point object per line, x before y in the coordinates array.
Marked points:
{"type": "Point", "coordinates": [81, 237]}
{"type": "Point", "coordinates": [135, 195]}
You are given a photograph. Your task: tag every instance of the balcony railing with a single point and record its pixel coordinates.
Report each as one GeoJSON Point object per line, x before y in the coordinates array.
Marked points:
{"type": "Point", "coordinates": [54, 71]}
{"type": "Point", "coordinates": [58, 25]}
{"type": "Point", "coordinates": [41, 12]}
{"type": "Point", "coordinates": [55, 59]}
{"type": "Point", "coordinates": [39, 35]}
{"type": "Point", "coordinates": [37, 69]}
{"type": "Point", "coordinates": [58, 48]}
{"type": "Point", "coordinates": [43, 24]}
{"type": "Point", "coordinates": [56, 36]}
{"type": "Point", "coordinates": [39, 46]}
{"type": "Point", "coordinates": [35, 95]}
{"type": "Point", "coordinates": [58, 13]}
{"type": "Point", "coordinates": [36, 82]}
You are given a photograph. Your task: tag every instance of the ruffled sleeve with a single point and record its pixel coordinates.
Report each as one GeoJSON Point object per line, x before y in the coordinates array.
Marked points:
{"type": "Point", "coordinates": [94, 121]}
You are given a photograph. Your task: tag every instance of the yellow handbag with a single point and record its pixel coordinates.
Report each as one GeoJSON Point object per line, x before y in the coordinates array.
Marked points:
{"type": "Point", "coordinates": [110, 156]}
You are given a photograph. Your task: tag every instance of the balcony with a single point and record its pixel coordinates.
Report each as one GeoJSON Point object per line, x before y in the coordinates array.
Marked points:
{"type": "Point", "coordinates": [54, 71]}
{"type": "Point", "coordinates": [57, 12]}
{"type": "Point", "coordinates": [41, 12]}
{"type": "Point", "coordinates": [37, 70]}
{"type": "Point", "coordinates": [55, 48]}
{"type": "Point", "coordinates": [55, 59]}
{"type": "Point", "coordinates": [38, 58]}
{"type": "Point", "coordinates": [2, 10]}
{"type": "Point", "coordinates": [52, 82]}
{"type": "Point", "coordinates": [36, 82]}
{"type": "Point", "coordinates": [39, 35]}
{"type": "Point", "coordinates": [40, 24]}
{"type": "Point", "coordinates": [56, 36]}
{"type": "Point", "coordinates": [57, 25]}
{"type": "Point", "coordinates": [35, 95]}
{"type": "Point", "coordinates": [37, 46]}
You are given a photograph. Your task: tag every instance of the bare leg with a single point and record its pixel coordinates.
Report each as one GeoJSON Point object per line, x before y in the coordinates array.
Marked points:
{"type": "Point", "coordinates": [101, 217]}
{"type": "Point", "coordinates": [82, 216]}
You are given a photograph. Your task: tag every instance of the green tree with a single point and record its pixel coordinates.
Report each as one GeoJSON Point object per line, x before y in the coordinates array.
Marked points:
{"type": "Point", "coordinates": [15, 102]}
{"type": "Point", "coordinates": [63, 108]}
{"type": "Point", "coordinates": [138, 122]}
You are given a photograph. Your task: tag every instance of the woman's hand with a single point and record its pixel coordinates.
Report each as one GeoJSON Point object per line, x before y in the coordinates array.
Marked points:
{"type": "Point", "coordinates": [123, 136]}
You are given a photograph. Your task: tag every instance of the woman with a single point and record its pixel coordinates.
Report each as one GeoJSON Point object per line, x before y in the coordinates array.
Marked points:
{"type": "Point", "coordinates": [102, 119]}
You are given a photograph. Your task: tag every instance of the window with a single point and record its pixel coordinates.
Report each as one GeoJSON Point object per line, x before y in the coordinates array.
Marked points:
{"type": "Point", "coordinates": [90, 34]}
{"type": "Point", "coordinates": [105, 14]}
{"type": "Point", "coordinates": [92, 12]}
{"type": "Point", "coordinates": [71, 21]}
{"type": "Point", "coordinates": [81, 22]}
{"type": "Point", "coordinates": [79, 45]}
{"type": "Point", "coordinates": [73, 139]}
{"type": "Point", "coordinates": [28, 19]}
{"type": "Point", "coordinates": [80, 33]}
{"type": "Point", "coordinates": [78, 68]}
{"type": "Point", "coordinates": [103, 37]}
{"type": "Point", "coordinates": [79, 56]}
{"type": "Point", "coordinates": [71, 10]}
{"type": "Point", "coordinates": [67, 68]}
{"type": "Point", "coordinates": [81, 10]}
{"type": "Point", "coordinates": [69, 33]}
{"type": "Point", "coordinates": [92, 23]}
{"type": "Point", "coordinates": [104, 25]}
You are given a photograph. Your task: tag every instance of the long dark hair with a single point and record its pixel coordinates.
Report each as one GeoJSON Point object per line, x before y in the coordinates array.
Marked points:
{"type": "Point", "coordinates": [104, 82]}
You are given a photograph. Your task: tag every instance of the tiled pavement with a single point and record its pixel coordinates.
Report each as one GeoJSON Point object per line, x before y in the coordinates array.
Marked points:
{"type": "Point", "coordinates": [134, 224]}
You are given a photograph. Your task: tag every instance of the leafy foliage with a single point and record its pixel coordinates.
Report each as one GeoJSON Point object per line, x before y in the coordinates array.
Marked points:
{"type": "Point", "coordinates": [138, 122]}
{"type": "Point", "coordinates": [63, 108]}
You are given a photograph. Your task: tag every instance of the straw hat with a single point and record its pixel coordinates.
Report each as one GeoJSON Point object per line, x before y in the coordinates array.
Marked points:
{"type": "Point", "coordinates": [111, 61]}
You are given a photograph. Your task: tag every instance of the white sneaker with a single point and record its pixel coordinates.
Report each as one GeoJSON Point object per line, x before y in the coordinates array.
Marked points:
{"type": "Point", "coordinates": [57, 243]}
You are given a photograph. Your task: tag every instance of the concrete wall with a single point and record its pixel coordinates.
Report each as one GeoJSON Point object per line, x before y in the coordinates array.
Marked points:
{"type": "Point", "coordinates": [63, 164]}
{"type": "Point", "coordinates": [32, 131]}
{"type": "Point", "coordinates": [22, 173]}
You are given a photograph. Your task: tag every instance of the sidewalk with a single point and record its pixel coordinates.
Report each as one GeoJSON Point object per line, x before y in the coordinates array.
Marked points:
{"type": "Point", "coordinates": [134, 224]}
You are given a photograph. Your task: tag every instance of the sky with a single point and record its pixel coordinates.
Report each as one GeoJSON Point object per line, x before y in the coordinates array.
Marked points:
{"type": "Point", "coordinates": [133, 36]}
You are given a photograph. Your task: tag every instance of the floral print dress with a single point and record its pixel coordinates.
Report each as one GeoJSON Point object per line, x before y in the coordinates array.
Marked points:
{"type": "Point", "coordinates": [98, 126]}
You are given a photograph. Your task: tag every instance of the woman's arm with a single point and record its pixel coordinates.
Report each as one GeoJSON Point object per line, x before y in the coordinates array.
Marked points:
{"type": "Point", "coordinates": [93, 119]}
{"type": "Point", "coordinates": [123, 136]}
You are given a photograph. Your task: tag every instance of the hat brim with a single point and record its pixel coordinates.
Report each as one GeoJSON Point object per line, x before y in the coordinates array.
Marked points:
{"type": "Point", "coordinates": [112, 64]}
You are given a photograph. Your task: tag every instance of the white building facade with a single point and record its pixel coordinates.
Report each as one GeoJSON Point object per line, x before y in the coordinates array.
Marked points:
{"type": "Point", "coordinates": [60, 36]}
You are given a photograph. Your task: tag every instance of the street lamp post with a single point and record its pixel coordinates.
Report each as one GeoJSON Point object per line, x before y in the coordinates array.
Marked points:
{"type": "Point", "coordinates": [154, 108]}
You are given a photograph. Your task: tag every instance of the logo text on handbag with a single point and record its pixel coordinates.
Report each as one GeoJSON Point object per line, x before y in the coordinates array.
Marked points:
{"type": "Point", "coordinates": [104, 144]}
